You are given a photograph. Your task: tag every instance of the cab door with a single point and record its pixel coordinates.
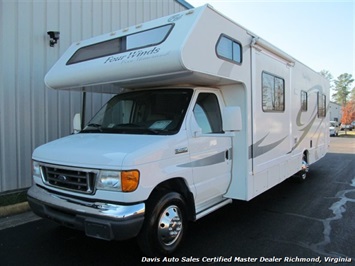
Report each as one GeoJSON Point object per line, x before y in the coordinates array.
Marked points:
{"type": "Point", "coordinates": [210, 151]}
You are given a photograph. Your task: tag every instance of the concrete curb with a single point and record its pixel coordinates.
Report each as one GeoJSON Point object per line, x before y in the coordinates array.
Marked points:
{"type": "Point", "coordinates": [14, 209]}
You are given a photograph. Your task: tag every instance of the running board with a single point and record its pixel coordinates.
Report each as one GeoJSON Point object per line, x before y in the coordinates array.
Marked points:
{"type": "Point", "coordinates": [213, 208]}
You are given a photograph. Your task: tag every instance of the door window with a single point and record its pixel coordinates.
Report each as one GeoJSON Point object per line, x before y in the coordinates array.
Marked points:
{"type": "Point", "coordinates": [207, 113]}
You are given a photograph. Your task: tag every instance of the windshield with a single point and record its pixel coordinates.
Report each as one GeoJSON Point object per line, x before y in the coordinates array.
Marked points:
{"type": "Point", "coordinates": [142, 112]}
{"type": "Point", "coordinates": [332, 124]}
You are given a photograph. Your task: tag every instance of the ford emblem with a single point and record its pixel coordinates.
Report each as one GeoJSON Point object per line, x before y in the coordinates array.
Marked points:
{"type": "Point", "coordinates": [62, 178]}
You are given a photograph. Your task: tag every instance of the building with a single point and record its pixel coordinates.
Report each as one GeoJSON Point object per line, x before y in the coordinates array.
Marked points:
{"type": "Point", "coordinates": [335, 112]}
{"type": "Point", "coordinates": [31, 114]}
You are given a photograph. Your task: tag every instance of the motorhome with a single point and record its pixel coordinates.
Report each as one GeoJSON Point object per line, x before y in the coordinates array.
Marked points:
{"type": "Point", "coordinates": [204, 112]}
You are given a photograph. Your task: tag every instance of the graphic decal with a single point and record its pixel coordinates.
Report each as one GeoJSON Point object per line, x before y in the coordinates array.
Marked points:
{"type": "Point", "coordinates": [256, 149]}
{"type": "Point", "coordinates": [210, 160]}
{"type": "Point", "coordinates": [305, 130]}
{"type": "Point", "coordinates": [136, 55]}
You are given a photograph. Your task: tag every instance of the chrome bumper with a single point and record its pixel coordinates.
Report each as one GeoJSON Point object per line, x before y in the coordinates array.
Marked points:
{"type": "Point", "coordinates": [98, 219]}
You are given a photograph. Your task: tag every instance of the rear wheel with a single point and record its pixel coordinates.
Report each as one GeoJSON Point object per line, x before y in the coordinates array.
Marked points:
{"type": "Point", "coordinates": [302, 174]}
{"type": "Point", "coordinates": [165, 224]}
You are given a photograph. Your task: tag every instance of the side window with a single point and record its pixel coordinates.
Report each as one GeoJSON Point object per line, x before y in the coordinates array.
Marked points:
{"type": "Point", "coordinates": [304, 101]}
{"type": "Point", "coordinates": [273, 89]}
{"type": "Point", "coordinates": [122, 44]}
{"type": "Point", "coordinates": [207, 113]}
{"type": "Point", "coordinates": [229, 49]}
{"type": "Point", "coordinates": [322, 105]}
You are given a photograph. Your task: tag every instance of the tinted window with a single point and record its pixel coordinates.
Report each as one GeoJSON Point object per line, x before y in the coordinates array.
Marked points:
{"type": "Point", "coordinates": [229, 49]}
{"type": "Point", "coordinates": [304, 101]}
{"type": "Point", "coordinates": [147, 38]}
{"type": "Point", "coordinates": [119, 45]}
{"type": "Point", "coordinates": [273, 89]}
{"type": "Point", "coordinates": [321, 105]}
{"type": "Point", "coordinates": [207, 113]}
{"type": "Point", "coordinates": [142, 112]}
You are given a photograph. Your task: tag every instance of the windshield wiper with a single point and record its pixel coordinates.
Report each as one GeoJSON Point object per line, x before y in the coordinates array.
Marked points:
{"type": "Point", "coordinates": [97, 127]}
{"type": "Point", "coordinates": [129, 128]}
{"type": "Point", "coordinates": [135, 129]}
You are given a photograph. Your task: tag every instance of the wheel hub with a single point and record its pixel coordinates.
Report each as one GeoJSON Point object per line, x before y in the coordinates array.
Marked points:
{"type": "Point", "coordinates": [170, 225]}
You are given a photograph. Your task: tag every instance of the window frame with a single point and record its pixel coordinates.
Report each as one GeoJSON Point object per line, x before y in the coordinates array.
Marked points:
{"type": "Point", "coordinates": [283, 93]}
{"type": "Point", "coordinates": [234, 41]}
{"type": "Point", "coordinates": [321, 105]}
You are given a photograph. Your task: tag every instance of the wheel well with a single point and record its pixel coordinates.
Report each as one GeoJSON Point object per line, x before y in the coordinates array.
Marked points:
{"type": "Point", "coordinates": [305, 156]}
{"type": "Point", "coordinates": [178, 185]}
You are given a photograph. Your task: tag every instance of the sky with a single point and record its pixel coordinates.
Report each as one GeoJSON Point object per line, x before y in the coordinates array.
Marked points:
{"type": "Point", "coordinates": [318, 33]}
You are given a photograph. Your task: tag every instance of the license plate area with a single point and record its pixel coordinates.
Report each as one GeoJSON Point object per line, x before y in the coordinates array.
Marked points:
{"type": "Point", "coordinates": [98, 229]}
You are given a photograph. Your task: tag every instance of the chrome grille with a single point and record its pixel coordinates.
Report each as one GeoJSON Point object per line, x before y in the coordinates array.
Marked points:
{"type": "Point", "coordinates": [79, 180]}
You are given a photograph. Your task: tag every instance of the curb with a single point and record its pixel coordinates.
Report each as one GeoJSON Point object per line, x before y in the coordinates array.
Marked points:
{"type": "Point", "coordinates": [14, 209]}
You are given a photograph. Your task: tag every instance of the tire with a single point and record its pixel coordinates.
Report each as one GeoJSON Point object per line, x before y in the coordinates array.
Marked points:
{"type": "Point", "coordinates": [165, 224]}
{"type": "Point", "coordinates": [302, 174]}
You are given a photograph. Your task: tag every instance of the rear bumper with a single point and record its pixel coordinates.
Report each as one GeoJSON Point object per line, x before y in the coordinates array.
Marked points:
{"type": "Point", "coordinates": [98, 219]}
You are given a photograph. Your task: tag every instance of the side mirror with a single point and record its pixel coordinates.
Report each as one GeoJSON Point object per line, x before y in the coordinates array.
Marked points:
{"type": "Point", "coordinates": [232, 119]}
{"type": "Point", "coordinates": [77, 123]}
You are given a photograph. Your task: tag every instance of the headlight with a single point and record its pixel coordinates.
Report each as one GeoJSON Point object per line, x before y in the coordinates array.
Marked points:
{"type": "Point", "coordinates": [125, 181]}
{"type": "Point", "coordinates": [109, 180]}
{"type": "Point", "coordinates": [36, 170]}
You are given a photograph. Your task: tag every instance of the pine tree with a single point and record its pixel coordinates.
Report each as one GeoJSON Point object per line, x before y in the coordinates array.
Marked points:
{"type": "Point", "coordinates": [342, 88]}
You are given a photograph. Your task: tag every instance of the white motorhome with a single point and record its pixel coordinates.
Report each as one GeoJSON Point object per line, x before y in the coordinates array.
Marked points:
{"type": "Point", "coordinates": [205, 112]}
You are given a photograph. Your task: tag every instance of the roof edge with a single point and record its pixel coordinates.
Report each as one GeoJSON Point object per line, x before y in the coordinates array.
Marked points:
{"type": "Point", "coordinates": [185, 4]}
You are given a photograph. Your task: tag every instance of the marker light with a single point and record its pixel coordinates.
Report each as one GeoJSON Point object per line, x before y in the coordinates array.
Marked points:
{"type": "Point", "coordinates": [129, 180]}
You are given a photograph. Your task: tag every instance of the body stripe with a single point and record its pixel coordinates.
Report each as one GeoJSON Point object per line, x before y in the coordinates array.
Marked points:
{"type": "Point", "coordinates": [210, 160]}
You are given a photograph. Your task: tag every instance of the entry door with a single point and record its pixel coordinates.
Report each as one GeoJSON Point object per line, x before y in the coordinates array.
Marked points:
{"type": "Point", "coordinates": [272, 136]}
{"type": "Point", "coordinates": [210, 151]}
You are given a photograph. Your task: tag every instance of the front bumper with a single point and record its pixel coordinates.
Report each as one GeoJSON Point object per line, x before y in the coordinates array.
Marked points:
{"type": "Point", "coordinates": [98, 219]}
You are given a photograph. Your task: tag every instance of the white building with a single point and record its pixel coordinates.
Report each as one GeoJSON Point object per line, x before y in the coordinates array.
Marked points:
{"type": "Point", "coordinates": [30, 113]}
{"type": "Point", "coordinates": [335, 112]}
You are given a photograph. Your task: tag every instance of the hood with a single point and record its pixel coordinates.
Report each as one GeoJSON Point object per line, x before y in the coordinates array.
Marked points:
{"type": "Point", "coordinates": [106, 151]}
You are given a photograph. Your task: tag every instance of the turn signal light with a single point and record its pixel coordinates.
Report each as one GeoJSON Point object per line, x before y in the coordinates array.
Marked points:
{"type": "Point", "coordinates": [129, 180]}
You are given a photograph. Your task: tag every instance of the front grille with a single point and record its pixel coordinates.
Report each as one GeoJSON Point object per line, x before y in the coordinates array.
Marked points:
{"type": "Point", "coordinates": [79, 180]}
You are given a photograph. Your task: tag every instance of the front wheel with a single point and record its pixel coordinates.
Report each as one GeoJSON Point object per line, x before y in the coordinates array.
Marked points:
{"type": "Point", "coordinates": [165, 224]}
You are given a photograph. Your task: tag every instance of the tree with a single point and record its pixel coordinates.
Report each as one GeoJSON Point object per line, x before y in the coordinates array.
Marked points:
{"type": "Point", "coordinates": [352, 95]}
{"type": "Point", "coordinates": [348, 113]}
{"type": "Point", "coordinates": [342, 88]}
{"type": "Point", "coordinates": [327, 75]}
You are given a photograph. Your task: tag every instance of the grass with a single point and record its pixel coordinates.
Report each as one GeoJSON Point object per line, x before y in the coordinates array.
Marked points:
{"type": "Point", "coordinates": [13, 197]}
{"type": "Point", "coordinates": [347, 134]}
